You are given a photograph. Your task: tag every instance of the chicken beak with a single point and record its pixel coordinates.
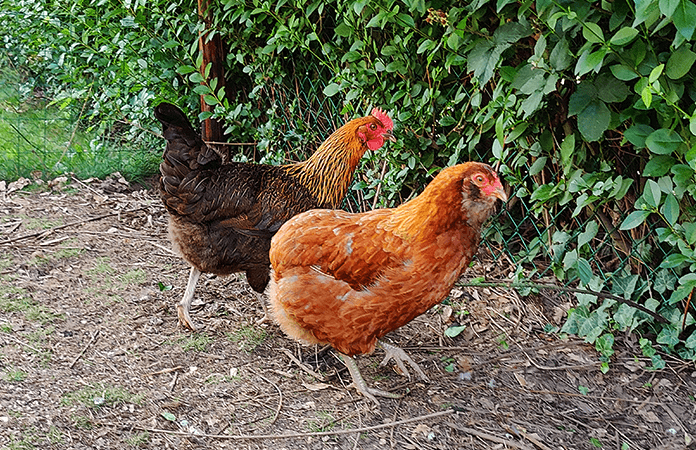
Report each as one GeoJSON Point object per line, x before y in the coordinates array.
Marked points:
{"type": "Point", "coordinates": [389, 135]}
{"type": "Point", "coordinates": [500, 193]}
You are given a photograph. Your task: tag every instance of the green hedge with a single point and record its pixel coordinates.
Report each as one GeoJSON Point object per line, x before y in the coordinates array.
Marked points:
{"type": "Point", "coordinates": [586, 108]}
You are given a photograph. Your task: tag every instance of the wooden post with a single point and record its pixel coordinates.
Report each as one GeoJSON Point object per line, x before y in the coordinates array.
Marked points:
{"type": "Point", "coordinates": [211, 129]}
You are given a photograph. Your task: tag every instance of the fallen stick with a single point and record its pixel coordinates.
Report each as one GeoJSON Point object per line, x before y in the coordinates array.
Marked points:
{"type": "Point", "coordinates": [94, 337]}
{"type": "Point", "coordinates": [71, 224]}
{"type": "Point", "coordinates": [486, 436]}
{"type": "Point", "coordinates": [289, 435]}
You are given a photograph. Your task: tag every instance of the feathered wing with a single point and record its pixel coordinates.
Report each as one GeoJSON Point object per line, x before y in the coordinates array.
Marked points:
{"type": "Point", "coordinates": [334, 243]}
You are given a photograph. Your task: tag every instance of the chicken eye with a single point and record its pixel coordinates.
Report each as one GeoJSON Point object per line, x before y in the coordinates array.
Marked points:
{"type": "Point", "coordinates": [373, 126]}
{"type": "Point", "coordinates": [479, 179]}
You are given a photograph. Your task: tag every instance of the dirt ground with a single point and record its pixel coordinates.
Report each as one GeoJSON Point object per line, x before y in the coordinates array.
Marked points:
{"type": "Point", "coordinates": [91, 356]}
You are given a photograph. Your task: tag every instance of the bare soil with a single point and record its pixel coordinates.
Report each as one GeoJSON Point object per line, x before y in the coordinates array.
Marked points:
{"type": "Point", "coordinates": [91, 356]}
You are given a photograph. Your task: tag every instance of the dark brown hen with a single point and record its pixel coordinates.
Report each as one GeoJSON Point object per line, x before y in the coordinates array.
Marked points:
{"type": "Point", "coordinates": [222, 216]}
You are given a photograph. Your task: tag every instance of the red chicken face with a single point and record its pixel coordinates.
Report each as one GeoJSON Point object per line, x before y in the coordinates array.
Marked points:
{"type": "Point", "coordinates": [489, 184]}
{"type": "Point", "coordinates": [378, 129]}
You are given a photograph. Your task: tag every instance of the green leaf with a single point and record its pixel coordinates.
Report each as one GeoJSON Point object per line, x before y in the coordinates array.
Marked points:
{"type": "Point", "coordinates": [684, 18]}
{"type": "Point", "coordinates": [646, 96]}
{"type": "Point", "coordinates": [454, 331]}
{"type": "Point", "coordinates": [583, 95]}
{"type": "Point", "coordinates": [611, 90]}
{"type": "Point", "coordinates": [560, 57]}
{"type": "Point", "coordinates": [584, 270]}
{"type": "Point", "coordinates": [663, 141]}
{"type": "Point", "coordinates": [593, 121]}
{"type": "Point", "coordinates": [590, 61]}
{"type": "Point", "coordinates": [668, 336]}
{"type": "Point", "coordinates": [680, 62]}
{"type": "Point", "coordinates": [655, 73]}
{"type": "Point", "coordinates": [658, 166]}
{"type": "Point", "coordinates": [184, 70]}
{"type": "Point", "coordinates": [633, 220]}
{"type": "Point", "coordinates": [343, 30]}
{"type": "Point", "coordinates": [637, 134]}
{"type": "Point", "coordinates": [590, 232]}
{"type": "Point", "coordinates": [623, 73]}
{"type": "Point", "coordinates": [624, 36]}
{"type": "Point", "coordinates": [593, 33]}
{"type": "Point", "coordinates": [667, 7]}
{"type": "Point", "coordinates": [331, 89]}
{"type": "Point", "coordinates": [670, 209]}
{"type": "Point", "coordinates": [652, 193]}
{"type": "Point", "coordinates": [538, 166]}
{"type": "Point", "coordinates": [673, 260]}
{"type": "Point", "coordinates": [169, 416]}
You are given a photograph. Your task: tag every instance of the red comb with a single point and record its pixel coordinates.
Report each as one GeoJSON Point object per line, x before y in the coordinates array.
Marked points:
{"type": "Point", "coordinates": [380, 115]}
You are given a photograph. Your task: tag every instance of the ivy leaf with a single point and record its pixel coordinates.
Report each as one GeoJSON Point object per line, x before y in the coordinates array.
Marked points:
{"type": "Point", "coordinates": [584, 270]}
{"type": "Point", "coordinates": [663, 141]}
{"type": "Point", "coordinates": [624, 316]}
{"type": "Point", "coordinates": [593, 121]}
{"type": "Point", "coordinates": [633, 220]}
{"type": "Point", "coordinates": [590, 232]}
{"type": "Point", "coordinates": [680, 62]}
{"type": "Point", "coordinates": [624, 36]}
{"type": "Point", "coordinates": [664, 281]}
{"type": "Point", "coordinates": [668, 336]}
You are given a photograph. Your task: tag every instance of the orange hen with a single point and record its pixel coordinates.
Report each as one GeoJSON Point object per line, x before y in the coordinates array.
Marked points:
{"type": "Point", "coordinates": [349, 279]}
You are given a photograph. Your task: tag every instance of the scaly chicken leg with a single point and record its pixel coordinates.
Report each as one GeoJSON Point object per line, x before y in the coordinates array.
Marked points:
{"type": "Point", "coordinates": [399, 356]}
{"type": "Point", "coordinates": [392, 352]}
{"type": "Point", "coordinates": [185, 304]}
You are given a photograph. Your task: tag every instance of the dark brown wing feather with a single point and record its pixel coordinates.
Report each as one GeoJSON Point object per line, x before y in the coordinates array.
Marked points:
{"type": "Point", "coordinates": [222, 217]}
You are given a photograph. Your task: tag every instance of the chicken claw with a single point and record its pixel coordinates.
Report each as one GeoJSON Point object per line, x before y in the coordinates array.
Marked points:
{"type": "Point", "coordinates": [399, 356]}
{"type": "Point", "coordinates": [360, 383]}
{"type": "Point", "coordinates": [184, 305]}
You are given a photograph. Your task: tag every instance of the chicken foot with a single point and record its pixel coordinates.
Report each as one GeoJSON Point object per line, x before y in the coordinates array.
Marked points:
{"type": "Point", "coordinates": [360, 383]}
{"type": "Point", "coordinates": [399, 356]}
{"type": "Point", "coordinates": [184, 306]}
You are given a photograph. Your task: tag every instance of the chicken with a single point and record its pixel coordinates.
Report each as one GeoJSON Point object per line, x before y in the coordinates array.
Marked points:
{"type": "Point", "coordinates": [349, 279]}
{"type": "Point", "coordinates": [222, 216]}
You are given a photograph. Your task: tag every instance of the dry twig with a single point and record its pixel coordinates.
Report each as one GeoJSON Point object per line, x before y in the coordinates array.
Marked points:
{"type": "Point", "coordinates": [91, 341]}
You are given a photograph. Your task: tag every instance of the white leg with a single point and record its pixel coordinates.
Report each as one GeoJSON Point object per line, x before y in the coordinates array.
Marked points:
{"type": "Point", "coordinates": [184, 305]}
{"type": "Point", "coordinates": [360, 383]}
{"type": "Point", "coordinates": [266, 317]}
{"type": "Point", "coordinates": [399, 356]}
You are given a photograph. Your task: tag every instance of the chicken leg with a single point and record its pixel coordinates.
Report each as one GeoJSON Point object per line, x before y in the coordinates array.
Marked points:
{"type": "Point", "coordinates": [360, 383]}
{"type": "Point", "coordinates": [392, 352]}
{"type": "Point", "coordinates": [399, 356]}
{"type": "Point", "coordinates": [184, 305]}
